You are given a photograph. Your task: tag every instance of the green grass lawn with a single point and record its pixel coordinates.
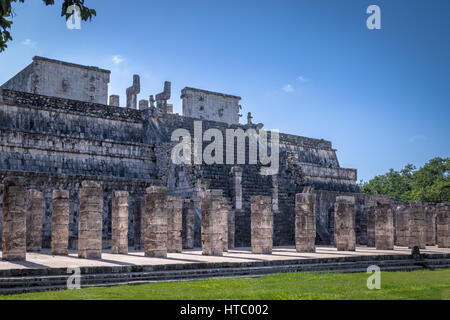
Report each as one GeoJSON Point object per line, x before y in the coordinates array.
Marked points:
{"type": "Point", "coordinates": [394, 285]}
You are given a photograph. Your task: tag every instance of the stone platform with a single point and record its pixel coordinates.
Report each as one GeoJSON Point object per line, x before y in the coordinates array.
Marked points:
{"type": "Point", "coordinates": [44, 259]}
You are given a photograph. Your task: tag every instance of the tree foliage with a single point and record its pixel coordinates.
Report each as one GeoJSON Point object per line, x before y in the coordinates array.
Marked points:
{"type": "Point", "coordinates": [6, 14]}
{"type": "Point", "coordinates": [431, 183]}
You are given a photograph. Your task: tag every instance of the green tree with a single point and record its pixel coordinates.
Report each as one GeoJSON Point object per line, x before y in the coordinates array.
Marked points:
{"type": "Point", "coordinates": [431, 183]}
{"type": "Point", "coordinates": [6, 14]}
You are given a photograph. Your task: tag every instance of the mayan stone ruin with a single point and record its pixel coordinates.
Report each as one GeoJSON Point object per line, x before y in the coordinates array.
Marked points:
{"type": "Point", "coordinates": [305, 222]}
{"type": "Point", "coordinates": [119, 223]}
{"type": "Point", "coordinates": [156, 222]}
{"type": "Point", "coordinates": [83, 171]}
{"type": "Point", "coordinates": [344, 223]}
{"type": "Point", "coordinates": [60, 222]}
{"type": "Point", "coordinates": [262, 224]}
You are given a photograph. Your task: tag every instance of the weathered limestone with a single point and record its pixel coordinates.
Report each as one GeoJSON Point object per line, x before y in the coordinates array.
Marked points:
{"type": "Point", "coordinates": [231, 225]}
{"type": "Point", "coordinates": [133, 91]}
{"type": "Point", "coordinates": [225, 218]}
{"type": "Point", "coordinates": [188, 223]}
{"type": "Point", "coordinates": [139, 223]}
{"type": "Point", "coordinates": [275, 193]}
{"type": "Point", "coordinates": [344, 223]}
{"type": "Point", "coordinates": [305, 222]}
{"type": "Point", "coordinates": [402, 226]}
{"type": "Point", "coordinates": [370, 209]}
{"type": "Point", "coordinates": [212, 223]}
{"type": "Point", "coordinates": [236, 172]}
{"type": "Point", "coordinates": [14, 239]}
{"type": "Point", "coordinates": [430, 225]}
{"type": "Point", "coordinates": [143, 104]}
{"type": "Point", "coordinates": [384, 225]}
{"type": "Point", "coordinates": [443, 225]}
{"type": "Point", "coordinates": [174, 224]}
{"type": "Point", "coordinates": [417, 232]}
{"type": "Point", "coordinates": [156, 222]}
{"type": "Point", "coordinates": [161, 98]}
{"type": "Point", "coordinates": [60, 222]}
{"type": "Point", "coordinates": [114, 100]}
{"type": "Point", "coordinates": [261, 224]}
{"type": "Point", "coordinates": [119, 223]}
{"type": "Point", "coordinates": [90, 221]}
{"type": "Point", "coordinates": [34, 220]}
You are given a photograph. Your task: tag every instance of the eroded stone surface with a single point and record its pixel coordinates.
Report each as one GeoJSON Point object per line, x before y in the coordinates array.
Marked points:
{"type": "Point", "coordinates": [417, 228]}
{"type": "Point", "coordinates": [156, 222]}
{"type": "Point", "coordinates": [261, 224]}
{"type": "Point", "coordinates": [212, 223]}
{"type": "Point", "coordinates": [443, 225]}
{"type": "Point", "coordinates": [305, 222]}
{"type": "Point", "coordinates": [60, 222]}
{"type": "Point", "coordinates": [119, 223]}
{"type": "Point", "coordinates": [384, 225]}
{"type": "Point", "coordinates": [174, 224]}
{"type": "Point", "coordinates": [188, 223]}
{"type": "Point", "coordinates": [35, 209]}
{"type": "Point", "coordinates": [14, 238]}
{"type": "Point", "coordinates": [90, 220]}
{"type": "Point", "coordinates": [344, 223]}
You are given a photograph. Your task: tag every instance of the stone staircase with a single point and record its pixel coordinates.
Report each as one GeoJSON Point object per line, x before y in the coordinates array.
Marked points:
{"type": "Point", "coordinates": [32, 280]}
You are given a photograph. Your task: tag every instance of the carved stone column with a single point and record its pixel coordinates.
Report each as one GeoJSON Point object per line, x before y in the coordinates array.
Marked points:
{"type": "Point", "coordinates": [370, 209]}
{"type": "Point", "coordinates": [384, 225]}
{"type": "Point", "coordinates": [443, 225]}
{"type": "Point", "coordinates": [60, 222]}
{"type": "Point", "coordinates": [402, 226]}
{"type": "Point", "coordinates": [188, 223]}
{"type": "Point", "coordinates": [417, 232]}
{"type": "Point", "coordinates": [344, 223]}
{"type": "Point", "coordinates": [212, 223]}
{"type": "Point", "coordinates": [430, 225]}
{"type": "Point", "coordinates": [305, 222]}
{"type": "Point", "coordinates": [236, 171]}
{"type": "Point", "coordinates": [261, 224]}
{"type": "Point", "coordinates": [139, 223]}
{"type": "Point", "coordinates": [90, 221]}
{"type": "Point", "coordinates": [156, 222]}
{"type": "Point", "coordinates": [174, 224]}
{"type": "Point", "coordinates": [34, 221]}
{"type": "Point", "coordinates": [119, 223]}
{"type": "Point", "coordinates": [14, 238]}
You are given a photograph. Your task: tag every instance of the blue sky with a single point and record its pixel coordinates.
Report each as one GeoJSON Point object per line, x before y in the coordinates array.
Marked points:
{"type": "Point", "coordinates": [310, 68]}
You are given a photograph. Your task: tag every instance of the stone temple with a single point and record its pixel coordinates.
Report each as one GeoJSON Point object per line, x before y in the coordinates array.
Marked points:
{"type": "Point", "coordinates": [59, 133]}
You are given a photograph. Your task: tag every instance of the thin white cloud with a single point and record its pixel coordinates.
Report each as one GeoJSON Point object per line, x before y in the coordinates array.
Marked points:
{"type": "Point", "coordinates": [288, 88]}
{"type": "Point", "coordinates": [29, 42]}
{"type": "Point", "coordinates": [117, 59]}
{"type": "Point", "coordinates": [302, 79]}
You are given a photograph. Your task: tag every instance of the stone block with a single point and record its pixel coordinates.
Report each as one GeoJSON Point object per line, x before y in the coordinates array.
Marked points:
{"type": "Point", "coordinates": [213, 221]}
{"type": "Point", "coordinates": [384, 225]}
{"type": "Point", "coordinates": [60, 222]}
{"type": "Point", "coordinates": [417, 228]}
{"type": "Point", "coordinates": [174, 224]}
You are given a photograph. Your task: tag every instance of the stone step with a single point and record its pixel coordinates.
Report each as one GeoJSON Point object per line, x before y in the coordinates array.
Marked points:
{"type": "Point", "coordinates": [95, 279]}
